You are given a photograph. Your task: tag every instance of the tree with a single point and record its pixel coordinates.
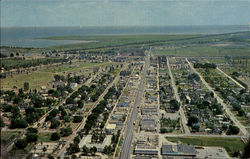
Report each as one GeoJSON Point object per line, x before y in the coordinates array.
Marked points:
{"type": "Point", "coordinates": [73, 148]}
{"type": "Point", "coordinates": [50, 156]}
{"type": "Point", "coordinates": [93, 150]}
{"type": "Point", "coordinates": [21, 143]}
{"type": "Point", "coordinates": [66, 131]}
{"type": "Point", "coordinates": [85, 150]}
{"type": "Point", "coordinates": [1, 123]}
{"type": "Point", "coordinates": [32, 130]}
{"type": "Point", "coordinates": [175, 104]}
{"type": "Point", "coordinates": [15, 112]}
{"type": "Point", "coordinates": [31, 137]}
{"type": "Point", "coordinates": [26, 86]}
{"type": "Point", "coordinates": [55, 136]}
{"type": "Point", "coordinates": [77, 140]}
{"type": "Point", "coordinates": [241, 112]}
{"type": "Point", "coordinates": [66, 118]}
{"type": "Point", "coordinates": [192, 120]}
{"type": "Point", "coordinates": [18, 123]}
{"type": "Point", "coordinates": [77, 119]}
{"type": "Point", "coordinates": [233, 130]}
{"type": "Point", "coordinates": [54, 123]}
{"type": "Point", "coordinates": [80, 104]}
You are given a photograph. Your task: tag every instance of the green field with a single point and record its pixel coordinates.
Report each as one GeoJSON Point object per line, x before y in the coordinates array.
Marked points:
{"type": "Point", "coordinates": [45, 76]}
{"type": "Point", "coordinates": [75, 67]}
{"type": "Point", "coordinates": [44, 137]}
{"type": "Point", "coordinates": [7, 136]}
{"type": "Point", "coordinates": [230, 144]}
{"type": "Point", "coordinates": [117, 40]}
{"type": "Point", "coordinates": [36, 80]}
{"type": "Point", "coordinates": [204, 51]}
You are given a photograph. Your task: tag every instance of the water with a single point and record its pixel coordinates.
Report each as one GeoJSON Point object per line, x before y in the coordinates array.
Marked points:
{"type": "Point", "coordinates": [29, 37]}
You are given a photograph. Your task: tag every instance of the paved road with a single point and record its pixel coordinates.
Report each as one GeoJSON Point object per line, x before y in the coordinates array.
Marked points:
{"type": "Point", "coordinates": [183, 117]}
{"type": "Point", "coordinates": [129, 131]}
{"type": "Point", "coordinates": [230, 114]}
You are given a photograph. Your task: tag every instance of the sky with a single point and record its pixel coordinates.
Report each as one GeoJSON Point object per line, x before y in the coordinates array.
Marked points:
{"type": "Point", "coordinates": [40, 13]}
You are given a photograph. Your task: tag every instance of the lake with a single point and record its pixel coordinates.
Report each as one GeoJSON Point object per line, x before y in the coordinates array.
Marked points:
{"type": "Point", "coordinates": [29, 36]}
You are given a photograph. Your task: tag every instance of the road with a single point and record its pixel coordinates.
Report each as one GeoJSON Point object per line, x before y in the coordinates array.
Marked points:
{"type": "Point", "coordinates": [227, 75]}
{"type": "Point", "coordinates": [230, 77]}
{"type": "Point", "coordinates": [117, 101]}
{"type": "Point", "coordinates": [129, 130]}
{"type": "Point", "coordinates": [62, 152]}
{"type": "Point", "coordinates": [183, 117]}
{"type": "Point", "coordinates": [227, 110]}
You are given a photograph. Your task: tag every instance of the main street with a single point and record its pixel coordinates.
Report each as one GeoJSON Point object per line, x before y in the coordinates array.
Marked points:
{"type": "Point", "coordinates": [129, 131]}
{"type": "Point", "coordinates": [230, 114]}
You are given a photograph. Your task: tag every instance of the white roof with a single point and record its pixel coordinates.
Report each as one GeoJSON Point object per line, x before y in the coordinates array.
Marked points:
{"type": "Point", "coordinates": [111, 126]}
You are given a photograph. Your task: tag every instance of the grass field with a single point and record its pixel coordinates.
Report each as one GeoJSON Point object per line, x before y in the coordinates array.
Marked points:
{"type": "Point", "coordinates": [36, 80]}
{"type": "Point", "coordinates": [230, 144]}
{"type": "Point", "coordinates": [7, 136]}
{"type": "Point", "coordinates": [117, 40]}
{"type": "Point", "coordinates": [45, 76]}
{"type": "Point", "coordinates": [75, 67]}
{"type": "Point", "coordinates": [204, 51]}
{"type": "Point", "coordinates": [44, 137]}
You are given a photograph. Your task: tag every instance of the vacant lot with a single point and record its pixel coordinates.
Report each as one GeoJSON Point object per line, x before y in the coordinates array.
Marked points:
{"type": "Point", "coordinates": [230, 144]}
{"type": "Point", "coordinates": [36, 80]}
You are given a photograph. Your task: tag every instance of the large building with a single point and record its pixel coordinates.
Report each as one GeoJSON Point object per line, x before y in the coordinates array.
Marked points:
{"type": "Point", "coordinates": [178, 150]}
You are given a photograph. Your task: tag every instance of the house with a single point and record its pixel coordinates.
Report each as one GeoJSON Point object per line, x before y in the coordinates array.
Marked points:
{"type": "Point", "coordinates": [73, 85]}
{"type": "Point", "coordinates": [110, 128]}
{"type": "Point", "coordinates": [58, 83]}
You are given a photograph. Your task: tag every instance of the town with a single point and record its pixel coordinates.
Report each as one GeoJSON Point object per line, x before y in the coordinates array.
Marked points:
{"type": "Point", "coordinates": [145, 101]}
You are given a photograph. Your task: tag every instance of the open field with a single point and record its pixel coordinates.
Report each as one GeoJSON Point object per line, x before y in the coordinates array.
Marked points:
{"type": "Point", "coordinates": [117, 40]}
{"type": "Point", "coordinates": [36, 80]}
{"type": "Point", "coordinates": [231, 145]}
{"type": "Point", "coordinates": [44, 76]}
{"type": "Point", "coordinates": [204, 51]}
{"type": "Point", "coordinates": [44, 137]}
{"type": "Point", "coordinates": [7, 136]}
{"type": "Point", "coordinates": [75, 67]}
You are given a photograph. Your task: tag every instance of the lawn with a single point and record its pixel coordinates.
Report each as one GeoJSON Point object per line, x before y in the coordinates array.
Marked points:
{"type": "Point", "coordinates": [7, 136]}
{"type": "Point", "coordinates": [44, 137]}
{"type": "Point", "coordinates": [230, 144]}
{"type": "Point", "coordinates": [35, 79]}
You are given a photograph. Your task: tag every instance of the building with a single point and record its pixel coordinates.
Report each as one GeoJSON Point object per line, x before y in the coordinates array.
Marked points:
{"type": "Point", "coordinates": [178, 150]}
{"type": "Point", "coordinates": [149, 111]}
{"type": "Point", "coordinates": [146, 150]}
{"type": "Point", "coordinates": [148, 124]}
{"type": "Point", "coordinates": [110, 128]}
